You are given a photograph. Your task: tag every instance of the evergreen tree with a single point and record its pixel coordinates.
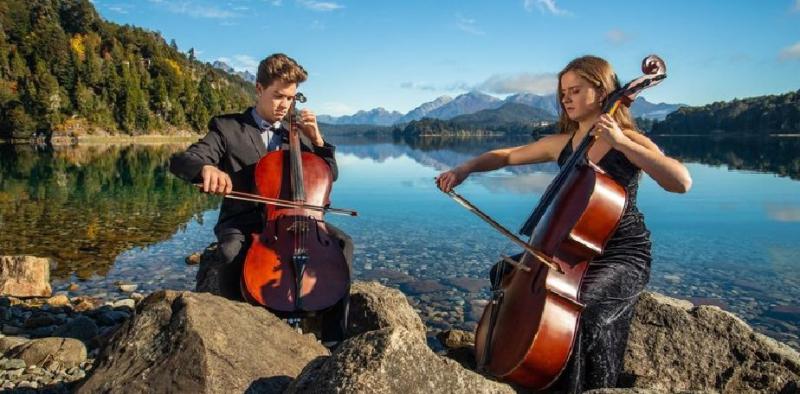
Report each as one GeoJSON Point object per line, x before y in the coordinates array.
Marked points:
{"type": "Point", "coordinates": [17, 123]}
{"type": "Point", "coordinates": [48, 97]}
{"type": "Point", "coordinates": [4, 66]}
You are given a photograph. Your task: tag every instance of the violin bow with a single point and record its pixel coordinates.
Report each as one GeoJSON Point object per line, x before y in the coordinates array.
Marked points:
{"type": "Point", "coordinates": [499, 227]}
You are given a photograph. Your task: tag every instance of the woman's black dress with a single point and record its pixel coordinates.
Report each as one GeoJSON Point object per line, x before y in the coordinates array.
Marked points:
{"type": "Point", "coordinates": [610, 289]}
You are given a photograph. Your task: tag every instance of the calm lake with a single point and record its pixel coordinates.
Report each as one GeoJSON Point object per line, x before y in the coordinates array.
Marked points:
{"type": "Point", "coordinates": [111, 213]}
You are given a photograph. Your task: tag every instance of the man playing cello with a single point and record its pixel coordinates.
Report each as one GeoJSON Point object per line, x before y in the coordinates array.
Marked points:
{"type": "Point", "coordinates": [225, 160]}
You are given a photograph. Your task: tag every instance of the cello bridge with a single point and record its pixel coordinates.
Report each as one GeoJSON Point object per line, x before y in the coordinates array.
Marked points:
{"type": "Point", "coordinates": [298, 227]}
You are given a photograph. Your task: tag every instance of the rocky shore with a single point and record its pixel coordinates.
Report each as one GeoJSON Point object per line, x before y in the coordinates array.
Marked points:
{"type": "Point", "coordinates": [172, 341]}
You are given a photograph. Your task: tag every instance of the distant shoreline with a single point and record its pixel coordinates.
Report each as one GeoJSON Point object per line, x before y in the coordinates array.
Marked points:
{"type": "Point", "coordinates": [156, 139]}
{"type": "Point", "coordinates": [138, 139]}
{"type": "Point", "coordinates": [145, 139]}
{"type": "Point", "coordinates": [461, 135]}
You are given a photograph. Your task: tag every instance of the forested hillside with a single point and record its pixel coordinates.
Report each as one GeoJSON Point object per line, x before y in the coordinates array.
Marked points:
{"type": "Point", "coordinates": [65, 70]}
{"type": "Point", "coordinates": [773, 114]}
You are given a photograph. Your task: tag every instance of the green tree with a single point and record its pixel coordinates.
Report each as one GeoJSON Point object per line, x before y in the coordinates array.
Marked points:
{"type": "Point", "coordinates": [208, 95]}
{"type": "Point", "coordinates": [17, 123]}
{"type": "Point", "coordinates": [47, 99]}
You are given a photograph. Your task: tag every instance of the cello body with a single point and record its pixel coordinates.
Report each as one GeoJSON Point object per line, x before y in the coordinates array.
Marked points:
{"type": "Point", "coordinates": [536, 323]}
{"type": "Point", "coordinates": [294, 265]}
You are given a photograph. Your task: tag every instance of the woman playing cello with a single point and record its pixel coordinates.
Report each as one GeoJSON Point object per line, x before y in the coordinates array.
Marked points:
{"type": "Point", "coordinates": [615, 278]}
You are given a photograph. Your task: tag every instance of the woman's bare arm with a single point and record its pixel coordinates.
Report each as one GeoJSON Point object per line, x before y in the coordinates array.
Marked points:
{"type": "Point", "coordinates": [542, 150]}
{"type": "Point", "coordinates": [671, 174]}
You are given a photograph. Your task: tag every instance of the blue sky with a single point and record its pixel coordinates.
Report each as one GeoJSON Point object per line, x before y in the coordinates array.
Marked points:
{"type": "Point", "coordinates": [397, 55]}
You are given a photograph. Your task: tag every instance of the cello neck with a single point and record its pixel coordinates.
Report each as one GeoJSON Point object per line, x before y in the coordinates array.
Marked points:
{"type": "Point", "coordinates": [295, 158]}
{"type": "Point", "coordinates": [655, 71]}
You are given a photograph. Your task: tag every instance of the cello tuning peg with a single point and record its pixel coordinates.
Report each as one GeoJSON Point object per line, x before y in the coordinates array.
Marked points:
{"type": "Point", "coordinates": [653, 64]}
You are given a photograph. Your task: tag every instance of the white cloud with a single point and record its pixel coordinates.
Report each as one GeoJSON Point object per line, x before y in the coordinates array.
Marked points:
{"type": "Point", "coordinates": [241, 62]}
{"type": "Point", "coordinates": [246, 62]}
{"type": "Point", "coordinates": [528, 4]}
{"type": "Point", "coordinates": [277, 3]}
{"type": "Point", "coordinates": [323, 6]}
{"type": "Point", "coordinates": [544, 6]}
{"type": "Point", "coordinates": [336, 108]}
{"type": "Point", "coordinates": [432, 87]}
{"type": "Point", "coordinates": [419, 86]}
{"type": "Point", "coordinates": [791, 52]}
{"type": "Point", "coordinates": [796, 7]}
{"type": "Point", "coordinates": [468, 25]}
{"type": "Point", "coordinates": [118, 9]}
{"type": "Point", "coordinates": [617, 36]}
{"type": "Point", "coordinates": [543, 83]}
{"type": "Point", "coordinates": [195, 10]}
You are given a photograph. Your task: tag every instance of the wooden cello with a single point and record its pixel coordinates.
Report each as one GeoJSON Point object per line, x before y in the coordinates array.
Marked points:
{"type": "Point", "coordinates": [528, 329]}
{"type": "Point", "coordinates": [294, 265]}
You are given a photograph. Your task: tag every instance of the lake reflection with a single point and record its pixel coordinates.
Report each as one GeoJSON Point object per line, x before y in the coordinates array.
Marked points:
{"type": "Point", "coordinates": [84, 206]}
{"type": "Point", "coordinates": [732, 241]}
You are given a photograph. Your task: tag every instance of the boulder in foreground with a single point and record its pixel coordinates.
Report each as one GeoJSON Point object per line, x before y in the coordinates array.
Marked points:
{"type": "Point", "coordinates": [201, 343]}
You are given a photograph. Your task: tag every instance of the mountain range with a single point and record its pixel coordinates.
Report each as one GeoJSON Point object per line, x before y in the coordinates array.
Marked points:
{"type": "Point", "coordinates": [445, 108]}
{"type": "Point", "coordinates": [246, 75]}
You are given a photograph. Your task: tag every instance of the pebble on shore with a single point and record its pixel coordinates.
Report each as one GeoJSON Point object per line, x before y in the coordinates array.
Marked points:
{"type": "Point", "coordinates": [59, 336]}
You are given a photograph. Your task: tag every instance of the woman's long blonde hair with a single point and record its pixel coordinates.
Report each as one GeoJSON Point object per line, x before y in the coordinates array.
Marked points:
{"type": "Point", "coordinates": [599, 73]}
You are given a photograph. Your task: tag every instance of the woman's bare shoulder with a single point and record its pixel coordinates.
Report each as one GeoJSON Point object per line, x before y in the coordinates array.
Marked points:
{"type": "Point", "coordinates": [555, 139]}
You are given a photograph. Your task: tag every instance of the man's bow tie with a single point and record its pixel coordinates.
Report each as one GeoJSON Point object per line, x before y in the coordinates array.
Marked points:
{"type": "Point", "coordinates": [272, 128]}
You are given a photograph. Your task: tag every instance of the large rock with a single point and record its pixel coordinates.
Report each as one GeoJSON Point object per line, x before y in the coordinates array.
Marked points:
{"type": "Point", "coordinates": [201, 343]}
{"type": "Point", "coordinates": [67, 352]}
{"type": "Point", "coordinates": [25, 276]}
{"type": "Point", "coordinates": [676, 346]}
{"type": "Point", "coordinates": [374, 306]}
{"type": "Point", "coordinates": [391, 360]}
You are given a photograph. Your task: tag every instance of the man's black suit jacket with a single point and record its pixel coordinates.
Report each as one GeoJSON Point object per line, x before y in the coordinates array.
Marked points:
{"type": "Point", "coordinates": [234, 145]}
